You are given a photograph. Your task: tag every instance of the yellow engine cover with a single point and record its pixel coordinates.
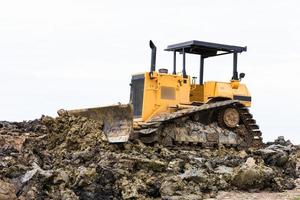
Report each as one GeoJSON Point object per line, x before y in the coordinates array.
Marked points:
{"type": "Point", "coordinates": [162, 91]}
{"type": "Point", "coordinates": [222, 90]}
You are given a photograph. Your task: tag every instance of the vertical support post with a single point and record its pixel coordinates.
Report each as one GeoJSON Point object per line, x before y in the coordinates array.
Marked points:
{"type": "Point", "coordinates": [174, 62]}
{"type": "Point", "coordinates": [201, 70]}
{"type": "Point", "coordinates": [235, 72]}
{"type": "Point", "coordinates": [183, 64]}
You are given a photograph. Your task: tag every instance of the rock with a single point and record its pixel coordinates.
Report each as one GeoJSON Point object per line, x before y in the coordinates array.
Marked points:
{"type": "Point", "coordinates": [62, 112]}
{"type": "Point", "coordinates": [12, 142]}
{"type": "Point", "coordinates": [36, 169]}
{"type": "Point", "coordinates": [147, 164]}
{"type": "Point", "coordinates": [224, 170]}
{"type": "Point", "coordinates": [281, 184]}
{"type": "Point", "coordinates": [279, 156]}
{"type": "Point", "coordinates": [176, 166]}
{"type": "Point", "coordinates": [96, 183]}
{"type": "Point", "coordinates": [281, 141]}
{"type": "Point", "coordinates": [253, 176]}
{"type": "Point", "coordinates": [273, 157]}
{"type": "Point", "coordinates": [68, 194]}
{"type": "Point", "coordinates": [176, 188]}
{"type": "Point", "coordinates": [198, 176]}
{"type": "Point", "coordinates": [7, 191]}
{"type": "Point", "coordinates": [61, 176]}
{"type": "Point", "coordinates": [170, 187]}
{"type": "Point", "coordinates": [153, 187]}
{"type": "Point", "coordinates": [199, 161]}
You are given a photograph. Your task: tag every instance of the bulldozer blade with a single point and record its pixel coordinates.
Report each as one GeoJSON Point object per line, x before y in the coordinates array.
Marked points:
{"type": "Point", "coordinates": [117, 120]}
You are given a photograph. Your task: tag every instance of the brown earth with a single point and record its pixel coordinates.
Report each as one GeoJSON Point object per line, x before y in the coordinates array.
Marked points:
{"type": "Point", "coordinates": [69, 158]}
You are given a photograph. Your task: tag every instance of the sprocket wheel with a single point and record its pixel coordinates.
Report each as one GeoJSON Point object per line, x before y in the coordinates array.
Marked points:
{"type": "Point", "coordinates": [229, 117]}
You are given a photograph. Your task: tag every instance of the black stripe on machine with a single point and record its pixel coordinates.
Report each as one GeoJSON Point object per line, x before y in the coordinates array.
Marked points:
{"type": "Point", "coordinates": [241, 98]}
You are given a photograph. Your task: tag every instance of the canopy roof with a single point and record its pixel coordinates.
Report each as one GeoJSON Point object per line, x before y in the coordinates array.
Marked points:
{"type": "Point", "coordinates": [205, 49]}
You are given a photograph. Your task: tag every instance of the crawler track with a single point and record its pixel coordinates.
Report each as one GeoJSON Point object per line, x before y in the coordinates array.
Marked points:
{"type": "Point", "coordinates": [252, 128]}
{"type": "Point", "coordinates": [198, 126]}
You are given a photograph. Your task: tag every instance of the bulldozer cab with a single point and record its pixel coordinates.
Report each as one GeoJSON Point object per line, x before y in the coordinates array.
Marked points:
{"type": "Point", "coordinates": [157, 92]}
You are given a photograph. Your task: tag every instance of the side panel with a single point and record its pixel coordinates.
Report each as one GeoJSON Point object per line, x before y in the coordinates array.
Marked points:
{"type": "Point", "coordinates": [224, 90]}
{"type": "Point", "coordinates": [234, 90]}
{"type": "Point", "coordinates": [209, 90]}
{"type": "Point", "coordinates": [163, 91]}
{"type": "Point", "coordinates": [242, 94]}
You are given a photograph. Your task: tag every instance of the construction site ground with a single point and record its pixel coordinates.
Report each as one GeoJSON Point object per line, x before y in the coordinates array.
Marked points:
{"type": "Point", "coordinates": [69, 158]}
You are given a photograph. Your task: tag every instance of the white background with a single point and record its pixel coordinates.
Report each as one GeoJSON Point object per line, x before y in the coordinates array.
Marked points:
{"type": "Point", "coordinates": [73, 54]}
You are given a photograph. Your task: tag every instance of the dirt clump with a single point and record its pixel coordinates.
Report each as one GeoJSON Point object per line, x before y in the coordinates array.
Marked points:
{"type": "Point", "coordinates": [68, 157]}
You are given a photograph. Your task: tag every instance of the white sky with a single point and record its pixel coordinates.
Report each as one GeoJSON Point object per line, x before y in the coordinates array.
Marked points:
{"type": "Point", "coordinates": [73, 54]}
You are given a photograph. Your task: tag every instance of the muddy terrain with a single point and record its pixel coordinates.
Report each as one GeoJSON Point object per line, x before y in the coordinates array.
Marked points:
{"type": "Point", "coordinates": [69, 158]}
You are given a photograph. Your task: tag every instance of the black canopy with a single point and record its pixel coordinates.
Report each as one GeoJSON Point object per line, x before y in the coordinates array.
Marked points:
{"type": "Point", "coordinates": [205, 49]}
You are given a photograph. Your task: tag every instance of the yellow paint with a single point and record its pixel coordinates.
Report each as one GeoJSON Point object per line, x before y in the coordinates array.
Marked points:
{"type": "Point", "coordinates": [197, 93]}
{"type": "Point", "coordinates": [235, 84]}
{"type": "Point", "coordinates": [165, 91]}
{"type": "Point", "coordinates": [154, 101]}
{"type": "Point", "coordinates": [226, 90]}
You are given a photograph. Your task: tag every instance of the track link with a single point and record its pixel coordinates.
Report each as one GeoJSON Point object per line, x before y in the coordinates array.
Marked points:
{"type": "Point", "coordinates": [253, 129]}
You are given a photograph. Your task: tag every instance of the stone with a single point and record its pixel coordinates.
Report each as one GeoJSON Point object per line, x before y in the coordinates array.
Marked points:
{"type": "Point", "coordinates": [36, 169]}
{"type": "Point", "coordinates": [281, 141]}
{"type": "Point", "coordinates": [224, 170]}
{"type": "Point", "coordinates": [198, 176]}
{"type": "Point", "coordinates": [7, 191]}
{"type": "Point", "coordinates": [171, 186]}
{"type": "Point", "coordinates": [277, 155]}
{"type": "Point", "coordinates": [252, 176]}
{"type": "Point", "coordinates": [155, 165]}
{"type": "Point", "coordinates": [176, 166]}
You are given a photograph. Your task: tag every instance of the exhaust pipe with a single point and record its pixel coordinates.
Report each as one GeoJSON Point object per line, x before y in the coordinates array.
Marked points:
{"type": "Point", "coordinates": [153, 56]}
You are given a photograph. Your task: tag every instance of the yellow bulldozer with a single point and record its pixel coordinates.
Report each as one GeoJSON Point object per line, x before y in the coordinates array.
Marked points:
{"type": "Point", "coordinates": [171, 108]}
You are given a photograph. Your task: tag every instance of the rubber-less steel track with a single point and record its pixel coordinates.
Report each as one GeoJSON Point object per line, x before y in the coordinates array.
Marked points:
{"type": "Point", "coordinates": [247, 133]}
{"type": "Point", "coordinates": [253, 129]}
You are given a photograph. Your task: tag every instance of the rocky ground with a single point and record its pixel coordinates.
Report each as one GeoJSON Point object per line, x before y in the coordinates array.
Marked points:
{"type": "Point", "coordinates": [69, 158]}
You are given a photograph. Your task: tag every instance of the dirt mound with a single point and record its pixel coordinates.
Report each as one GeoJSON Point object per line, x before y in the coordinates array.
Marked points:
{"type": "Point", "coordinates": [69, 158]}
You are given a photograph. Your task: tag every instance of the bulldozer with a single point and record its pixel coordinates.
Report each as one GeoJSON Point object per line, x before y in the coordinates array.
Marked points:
{"type": "Point", "coordinates": [172, 108]}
